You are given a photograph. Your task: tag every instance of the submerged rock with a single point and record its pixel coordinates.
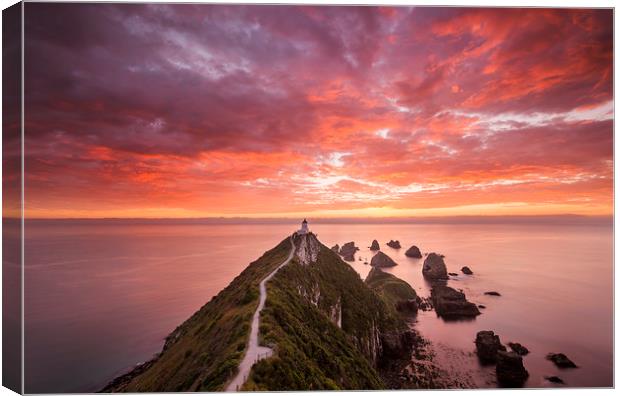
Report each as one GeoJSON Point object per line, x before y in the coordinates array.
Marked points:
{"type": "Point", "coordinates": [394, 244]}
{"type": "Point", "coordinates": [509, 370]}
{"type": "Point", "coordinates": [452, 304]}
{"type": "Point", "coordinates": [453, 274]}
{"type": "Point", "coordinates": [492, 293]}
{"type": "Point", "coordinates": [487, 346]}
{"type": "Point", "coordinates": [554, 379]}
{"type": "Point", "coordinates": [375, 245]}
{"type": "Point", "coordinates": [434, 267]}
{"type": "Point", "coordinates": [561, 360]}
{"type": "Point", "coordinates": [466, 270]}
{"type": "Point", "coordinates": [413, 252]}
{"type": "Point", "coordinates": [382, 260]}
{"type": "Point", "coordinates": [518, 348]}
{"type": "Point", "coordinates": [481, 306]}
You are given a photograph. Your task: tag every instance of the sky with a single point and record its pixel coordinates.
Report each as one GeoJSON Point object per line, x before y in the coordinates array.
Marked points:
{"type": "Point", "coordinates": [288, 111]}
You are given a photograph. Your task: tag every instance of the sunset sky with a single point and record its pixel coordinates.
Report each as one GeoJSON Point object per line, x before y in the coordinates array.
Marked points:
{"type": "Point", "coordinates": [286, 111]}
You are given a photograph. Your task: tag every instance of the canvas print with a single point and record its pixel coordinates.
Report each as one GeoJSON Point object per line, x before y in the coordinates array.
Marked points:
{"type": "Point", "coordinates": [227, 197]}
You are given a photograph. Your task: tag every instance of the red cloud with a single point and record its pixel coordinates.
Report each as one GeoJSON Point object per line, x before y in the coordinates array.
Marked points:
{"type": "Point", "coordinates": [252, 110]}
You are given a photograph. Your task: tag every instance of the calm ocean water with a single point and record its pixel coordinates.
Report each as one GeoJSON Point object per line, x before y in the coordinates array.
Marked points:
{"type": "Point", "coordinates": [101, 296]}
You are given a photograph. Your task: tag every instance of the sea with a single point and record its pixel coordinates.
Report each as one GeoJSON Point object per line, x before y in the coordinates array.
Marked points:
{"type": "Point", "coordinates": [101, 295]}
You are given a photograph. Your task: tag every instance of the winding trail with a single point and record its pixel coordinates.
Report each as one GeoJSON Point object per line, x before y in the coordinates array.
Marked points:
{"type": "Point", "coordinates": [255, 352]}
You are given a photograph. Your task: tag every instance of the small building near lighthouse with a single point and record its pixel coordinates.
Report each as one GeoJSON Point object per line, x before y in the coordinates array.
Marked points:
{"type": "Point", "coordinates": [304, 227]}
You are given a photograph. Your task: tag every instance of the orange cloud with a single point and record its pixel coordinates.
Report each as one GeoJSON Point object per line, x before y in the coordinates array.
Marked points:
{"type": "Point", "coordinates": [331, 111]}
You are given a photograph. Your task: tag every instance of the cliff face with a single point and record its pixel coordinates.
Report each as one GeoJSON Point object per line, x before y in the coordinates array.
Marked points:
{"type": "Point", "coordinates": [327, 328]}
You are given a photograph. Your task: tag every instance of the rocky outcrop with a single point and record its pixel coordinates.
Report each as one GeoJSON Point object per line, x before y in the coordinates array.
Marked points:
{"type": "Point", "coordinates": [487, 346]}
{"type": "Point", "coordinates": [452, 304]}
{"type": "Point", "coordinates": [434, 267]}
{"type": "Point", "coordinates": [393, 244]}
{"type": "Point", "coordinates": [308, 248]}
{"type": "Point", "coordinates": [335, 313]}
{"type": "Point", "coordinates": [518, 348]}
{"type": "Point", "coordinates": [425, 304]}
{"type": "Point", "coordinates": [413, 252]}
{"type": "Point", "coordinates": [348, 250]}
{"type": "Point", "coordinates": [394, 291]}
{"type": "Point", "coordinates": [125, 379]}
{"type": "Point", "coordinates": [492, 293]}
{"type": "Point", "coordinates": [554, 379]}
{"type": "Point", "coordinates": [407, 306]}
{"type": "Point", "coordinates": [335, 248]}
{"type": "Point", "coordinates": [397, 344]}
{"type": "Point", "coordinates": [467, 271]}
{"type": "Point", "coordinates": [381, 260]}
{"type": "Point", "coordinates": [375, 245]}
{"type": "Point", "coordinates": [311, 293]}
{"type": "Point", "coordinates": [509, 370]}
{"type": "Point", "coordinates": [561, 360]}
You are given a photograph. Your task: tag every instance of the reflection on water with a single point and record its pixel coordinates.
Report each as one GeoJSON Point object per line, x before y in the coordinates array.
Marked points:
{"type": "Point", "coordinates": [100, 297]}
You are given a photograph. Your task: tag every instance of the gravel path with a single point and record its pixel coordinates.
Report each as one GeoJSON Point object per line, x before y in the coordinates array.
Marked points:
{"type": "Point", "coordinates": [255, 352]}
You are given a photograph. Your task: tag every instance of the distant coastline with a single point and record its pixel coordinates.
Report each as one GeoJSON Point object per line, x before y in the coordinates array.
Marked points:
{"type": "Point", "coordinates": [568, 219]}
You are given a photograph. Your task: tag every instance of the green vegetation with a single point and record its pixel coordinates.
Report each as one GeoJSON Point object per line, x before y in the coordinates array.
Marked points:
{"type": "Point", "coordinates": [391, 289]}
{"type": "Point", "coordinates": [306, 305]}
{"type": "Point", "coordinates": [204, 352]}
{"type": "Point", "coordinates": [300, 319]}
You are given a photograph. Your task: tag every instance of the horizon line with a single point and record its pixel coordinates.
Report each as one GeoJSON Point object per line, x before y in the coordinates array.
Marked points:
{"type": "Point", "coordinates": [551, 218]}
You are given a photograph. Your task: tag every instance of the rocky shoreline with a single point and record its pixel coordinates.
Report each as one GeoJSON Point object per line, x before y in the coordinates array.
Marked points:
{"type": "Point", "coordinates": [449, 304]}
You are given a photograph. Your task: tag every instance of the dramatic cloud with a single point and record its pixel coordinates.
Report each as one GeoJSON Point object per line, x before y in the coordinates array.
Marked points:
{"type": "Point", "coordinates": [213, 110]}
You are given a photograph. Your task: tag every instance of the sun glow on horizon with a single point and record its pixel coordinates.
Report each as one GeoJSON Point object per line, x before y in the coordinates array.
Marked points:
{"type": "Point", "coordinates": [489, 210]}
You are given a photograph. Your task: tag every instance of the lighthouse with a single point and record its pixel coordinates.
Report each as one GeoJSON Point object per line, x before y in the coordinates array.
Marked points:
{"type": "Point", "coordinates": [304, 227]}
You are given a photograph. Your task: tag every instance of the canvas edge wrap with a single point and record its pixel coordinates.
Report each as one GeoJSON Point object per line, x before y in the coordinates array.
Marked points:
{"type": "Point", "coordinates": [12, 202]}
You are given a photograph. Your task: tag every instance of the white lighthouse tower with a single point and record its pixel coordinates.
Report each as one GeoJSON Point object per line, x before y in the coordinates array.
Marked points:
{"type": "Point", "coordinates": [304, 227]}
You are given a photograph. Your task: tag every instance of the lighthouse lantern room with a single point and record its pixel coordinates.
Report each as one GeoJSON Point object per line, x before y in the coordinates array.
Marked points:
{"type": "Point", "coordinates": [304, 227]}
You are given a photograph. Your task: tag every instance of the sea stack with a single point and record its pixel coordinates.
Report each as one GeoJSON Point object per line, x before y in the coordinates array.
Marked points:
{"type": "Point", "coordinates": [518, 348]}
{"type": "Point", "coordinates": [487, 346]}
{"type": "Point", "coordinates": [509, 370]}
{"type": "Point", "coordinates": [394, 244]}
{"type": "Point", "coordinates": [413, 252]}
{"type": "Point", "coordinates": [382, 260]}
{"type": "Point", "coordinates": [375, 245]}
{"type": "Point", "coordinates": [434, 267]}
{"type": "Point", "coordinates": [348, 250]}
{"type": "Point", "coordinates": [452, 304]}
